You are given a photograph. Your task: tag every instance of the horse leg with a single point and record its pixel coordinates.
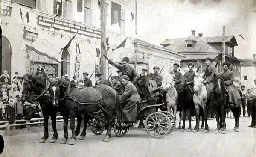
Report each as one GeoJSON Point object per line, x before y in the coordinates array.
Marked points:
{"type": "Point", "coordinates": [109, 120]}
{"type": "Point", "coordinates": [189, 119]}
{"type": "Point", "coordinates": [175, 112]}
{"type": "Point", "coordinates": [197, 108]}
{"type": "Point", "coordinates": [65, 126]}
{"type": "Point", "coordinates": [222, 117]}
{"type": "Point", "coordinates": [78, 126]}
{"type": "Point", "coordinates": [72, 140]}
{"type": "Point", "coordinates": [203, 117]}
{"type": "Point", "coordinates": [183, 118]}
{"type": "Point", "coordinates": [55, 133]}
{"type": "Point", "coordinates": [217, 116]}
{"type": "Point", "coordinates": [46, 133]}
{"type": "Point", "coordinates": [206, 129]}
{"type": "Point", "coordinates": [83, 134]}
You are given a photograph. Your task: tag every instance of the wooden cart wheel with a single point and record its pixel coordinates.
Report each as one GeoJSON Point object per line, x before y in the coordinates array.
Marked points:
{"type": "Point", "coordinates": [172, 119]}
{"type": "Point", "coordinates": [158, 125]}
{"type": "Point", "coordinates": [97, 127]}
{"type": "Point", "coordinates": [119, 130]}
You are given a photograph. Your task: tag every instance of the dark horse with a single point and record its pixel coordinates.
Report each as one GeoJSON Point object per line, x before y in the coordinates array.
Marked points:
{"type": "Point", "coordinates": [188, 104]}
{"type": "Point", "coordinates": [75, 102]}
{"type": "Point", "coordinates": [218, 100]}
{"type": "Point", "coordinates": [36, 86]}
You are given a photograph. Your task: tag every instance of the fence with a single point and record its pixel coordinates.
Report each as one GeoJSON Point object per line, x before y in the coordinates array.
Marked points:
{"type": "Point", "coordinates": [34, 121]}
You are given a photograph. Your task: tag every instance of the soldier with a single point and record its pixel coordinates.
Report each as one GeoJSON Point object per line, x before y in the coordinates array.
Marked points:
{"type": "Point", "coordinates": [234, 97]}
{"type": "Point", "coordinates": [101, 80]}
{"type": "Point", "coordinates": [252, 96]}
{"type": "Point", "coordinates": [156, 76]}
{"type": "Point", "coordinates": [142, 84]}
{"type": "Point", "coordinates": [87, 81]}
{"type": "Point", "coordinates": [209, 72]}
{"type": "Point", "coordinates": [125, 68]}
{"type": "Point", "coordinates": [189, 77]}
{"type": "Point", "coordinates": [178, 84]}
{"type": "Point", "coordinates": [129, 98]}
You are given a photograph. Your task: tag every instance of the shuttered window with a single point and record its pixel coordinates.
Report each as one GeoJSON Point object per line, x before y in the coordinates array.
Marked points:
{"type": "Point", "coordinates": [87, 11]}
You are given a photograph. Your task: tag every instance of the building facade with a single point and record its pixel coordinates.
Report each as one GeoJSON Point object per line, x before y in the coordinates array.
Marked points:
{"type": "Point", "coordinates": [248, 72]}
{"type": "Point", "coordinates": [197, 48]}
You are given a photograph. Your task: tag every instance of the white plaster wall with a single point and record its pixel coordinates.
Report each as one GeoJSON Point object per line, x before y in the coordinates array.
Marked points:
{"type": "Point", "coordinates": [250, 72]}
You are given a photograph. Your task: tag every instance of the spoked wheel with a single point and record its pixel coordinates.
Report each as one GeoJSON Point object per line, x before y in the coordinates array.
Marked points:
{"type": "Point", "coordinates": [97, 126]}
{"type": "Point", "coordinates": [172, 119]}
{"type": "Point", "coordinates": [119, 129]}
{"type": "Point", "coordinates": [158, 125]}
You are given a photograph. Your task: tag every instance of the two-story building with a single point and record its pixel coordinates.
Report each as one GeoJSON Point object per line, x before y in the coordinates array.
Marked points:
{"type": "Point", "coordinates": [248, 72]}
{"type": "Point", "coordinates": [37, 32]}
{"type": "Point", "coordinates": [197, 48]}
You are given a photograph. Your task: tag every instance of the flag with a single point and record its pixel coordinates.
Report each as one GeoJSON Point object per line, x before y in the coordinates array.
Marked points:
{"type": "Point", "coordinates": [78, 48]}
{"type": "Point", "coordinates": [132, 15]}
{"type": "Point", "coordinates": [120, 45]}
{"type": "Point", "coordinates": [68, 44]}
{"type": "Point", "coordinates": [27, 17]}
{"type": "Point", "coordinates": [21, 15]}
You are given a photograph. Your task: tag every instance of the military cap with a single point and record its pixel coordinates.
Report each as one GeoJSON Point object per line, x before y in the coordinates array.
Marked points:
{"type": "Point", "coordinates": [98, 74]}
{"type": "Point", "coordinates": [242, 86]}
{"type": "Point", "coordinates": [118, 71]}
{"type": "Point", "coordinates": [125, 77]}
{"type": "Point", "coordinates": [144, 69]}
{"type": "Point", "coordinates": [208, 58]}
{"type": "Point", "coordinates": [85, 73]}
{"type": "Point", "coordinates": [156, 67]}
{"type": "Point", "coordinates": [125, 59]}
{"type": "Point", "coordinates": [190, 64]}
{"type": "Point", "coordinates": [176, 64]}
{"type": "Point", "coordinates": [226, 63]}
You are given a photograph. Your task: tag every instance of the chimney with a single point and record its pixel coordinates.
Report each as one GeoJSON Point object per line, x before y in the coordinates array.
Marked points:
{"type": "Point", "coordinates": [193, 32]}
{"type": "Point", "coordinates": [200, 34]}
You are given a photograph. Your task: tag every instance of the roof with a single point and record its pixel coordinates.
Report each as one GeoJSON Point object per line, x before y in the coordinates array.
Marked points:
{"type": "Point", "coordinates": [149, 45]}
{"type": "Point", "coordinates": [247, 62]}
{"type": "Point", "coordinates": [180, 46]}
{"type": "Point", "coordinates": [214, 39]}
{"type": "Point", "coordinates": [199, 56]}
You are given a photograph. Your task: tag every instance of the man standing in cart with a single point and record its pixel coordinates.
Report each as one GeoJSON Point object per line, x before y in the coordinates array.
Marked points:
{"type": "Point", "coordinates": [129, 100]}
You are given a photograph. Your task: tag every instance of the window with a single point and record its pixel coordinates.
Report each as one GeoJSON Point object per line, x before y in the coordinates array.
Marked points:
{"type": "Point", "coordinates": [230, 51]}
{"type": "Point", "coordinates": [79, 5]}
{"type": "Point", "coordinates": [189, 45]}
{"type": "Point", "coordinates": [67, 9]}
{"type": "Point", "coordinates": [57, 7]}
{"type": "Point", "coordinates": [87, 11]}
{"type": "Point", "coordinates": [65, 62]}
{"type": "Point", "coordinates": [245, 77]}
{"type": "Point", "coordinates": [41, 5]}
{"type": "Point", "coordinates": [29, 3]}
{"type": "Point", "coordinates": [122, 22]}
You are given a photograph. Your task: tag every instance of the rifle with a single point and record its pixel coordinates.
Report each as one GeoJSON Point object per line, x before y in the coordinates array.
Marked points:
{"type": "Point", "coordinates": [161, 70]}
{"type": "Point", "coordinates": [91, 75]}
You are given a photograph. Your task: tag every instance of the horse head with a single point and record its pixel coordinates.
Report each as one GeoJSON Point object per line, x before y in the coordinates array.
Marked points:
{"type": "Point", "coordinates": [55, 93]}
{"type": "Point", "coordinates": [198, 82]}
{"type": "Point", "coordinates": [217, 84]}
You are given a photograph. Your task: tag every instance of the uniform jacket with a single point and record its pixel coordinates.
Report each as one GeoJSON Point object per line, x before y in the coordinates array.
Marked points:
{"type": "Point", "coordinates": [227, 77]}
{"type": "Point", "coordinates": [209, 71]}
{"type": "Point", "coordinates": [158, 78]}
{"type": "Point", "coordinates": [177, 77]}
{"type": "Point", "coordinates": [130, 93]}
{"type": "Point", "coordinates": [87, 82]}
{"type": "Point", "coordinates": [125, 68]}
{"type": "Point", "coordinates": [142, 81]}
{"type": "Point", "coordinates": [189, 77]}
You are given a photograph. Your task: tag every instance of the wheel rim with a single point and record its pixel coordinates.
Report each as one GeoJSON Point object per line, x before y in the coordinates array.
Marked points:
{"type": "Point", "coordinates": [157, 125]}
{"type": "Point", "coordinates": [97, 127]}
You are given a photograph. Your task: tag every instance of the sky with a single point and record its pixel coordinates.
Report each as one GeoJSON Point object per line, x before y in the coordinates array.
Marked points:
{"type": "Point", "coordinates": [163, 19]}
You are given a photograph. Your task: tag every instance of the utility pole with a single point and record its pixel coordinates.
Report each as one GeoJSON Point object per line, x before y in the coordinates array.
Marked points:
{"type": "Point", "coordinates": [223, 45]}
{"type": "Point", "coordinates": [103, 38]}
{"type": "Point", "coordinates": [136, 17]}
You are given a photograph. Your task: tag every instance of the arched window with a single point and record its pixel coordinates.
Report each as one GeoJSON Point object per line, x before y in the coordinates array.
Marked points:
{"type": "Point", "coordinates": [65, 63]}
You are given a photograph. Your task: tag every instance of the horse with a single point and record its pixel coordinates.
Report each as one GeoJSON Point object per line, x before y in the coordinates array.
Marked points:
{"type": "Point", "coordinates": [219, 99]}
{"type": "Point", "coordinates": [35, 85]}
{"type": "Point", "coordinates": [75, 102]}
{"type": "Point", "coordinates": [171, 99]}
{"type": "Point", "coordinates": [200, 98]}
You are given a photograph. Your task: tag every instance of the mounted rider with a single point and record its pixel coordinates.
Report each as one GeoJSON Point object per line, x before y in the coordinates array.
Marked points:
{"type": "Point", "coordinates": [100, 80]}
{"type": "Point", "coordinates": [178, 83]}
{"type": "Point", "coordinates": [129, 99]}
{"type": "Point", "coordinates": [125, 68]}
{"type": "Point", "coordinates": [189, 77]}
{"type": "Point", "coordinates": [208, 76]}
{"type": "Point", "coordinates": [234, 97]}
{"type": "Point", "coordinates": [155, 83]}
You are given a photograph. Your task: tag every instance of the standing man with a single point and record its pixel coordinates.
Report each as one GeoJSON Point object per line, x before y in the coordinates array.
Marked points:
{"type": "Point", "coordinates": [243, 91]}
{"type": "Point", "coordinates": [129, 99]}
{"type": "Point", "coordinates": [142, 84]}
{"type": "Point", "coordinates": [234, 97]}
{"type": "Point", "coordinates": [125, 68]}
{"type": "Point", "coordinates": [87, 81]}
{"type": "Point", "coordinates": [252, 96]}
{"type": "Point", "coordinates": [156, 76]}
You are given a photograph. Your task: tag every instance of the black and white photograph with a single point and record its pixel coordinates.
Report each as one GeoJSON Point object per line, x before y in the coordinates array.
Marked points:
{"type": "Point", "coordinates": [128, 78]}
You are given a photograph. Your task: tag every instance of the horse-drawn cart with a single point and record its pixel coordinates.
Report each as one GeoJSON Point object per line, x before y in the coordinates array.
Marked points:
{"type": "Point", "coordinates": [157, 123]}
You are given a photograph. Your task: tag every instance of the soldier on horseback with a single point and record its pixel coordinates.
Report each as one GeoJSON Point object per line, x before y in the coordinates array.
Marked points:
{"type": "Point", "coordinates": [129, 99]}
{"type": "Point", "coordinates": [234, 97]}
{"type": "Point", "coordinates": [178, 83]}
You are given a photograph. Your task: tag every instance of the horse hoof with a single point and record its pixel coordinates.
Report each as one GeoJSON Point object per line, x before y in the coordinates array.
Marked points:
{"type": "Point", "coordinates": [106, 139]}
{"type": "Point", "coordinates": [63, 141]}
{"type": "Point", "coordinates": [42, 140]}
{"type": "Point", "coordinates": [216, 131]}
{"type": "Point", "coordinates": [53, 140]}
{"type": "Point", "coordinates": [223, 132]}
{"type": "Point", "coordinates": [206, 131]}
{"type": "Point", "coordinates": [72, 141]}
{"type": "Point", "coordinates": [81, 137]}
{"type": "Point", "coordinates": [189, 130]}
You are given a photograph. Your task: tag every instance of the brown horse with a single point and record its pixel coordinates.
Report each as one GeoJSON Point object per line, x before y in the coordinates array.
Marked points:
{"type": "Point", "coordinates": [86, 101]}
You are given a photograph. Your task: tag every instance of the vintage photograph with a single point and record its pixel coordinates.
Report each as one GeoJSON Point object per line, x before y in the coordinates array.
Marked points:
{"type": "Point", "coordinates": [128, 78]}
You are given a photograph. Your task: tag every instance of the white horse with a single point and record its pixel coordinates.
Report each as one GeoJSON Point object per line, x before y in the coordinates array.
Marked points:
{"type": "Point", "coordinates": [200, 98]}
